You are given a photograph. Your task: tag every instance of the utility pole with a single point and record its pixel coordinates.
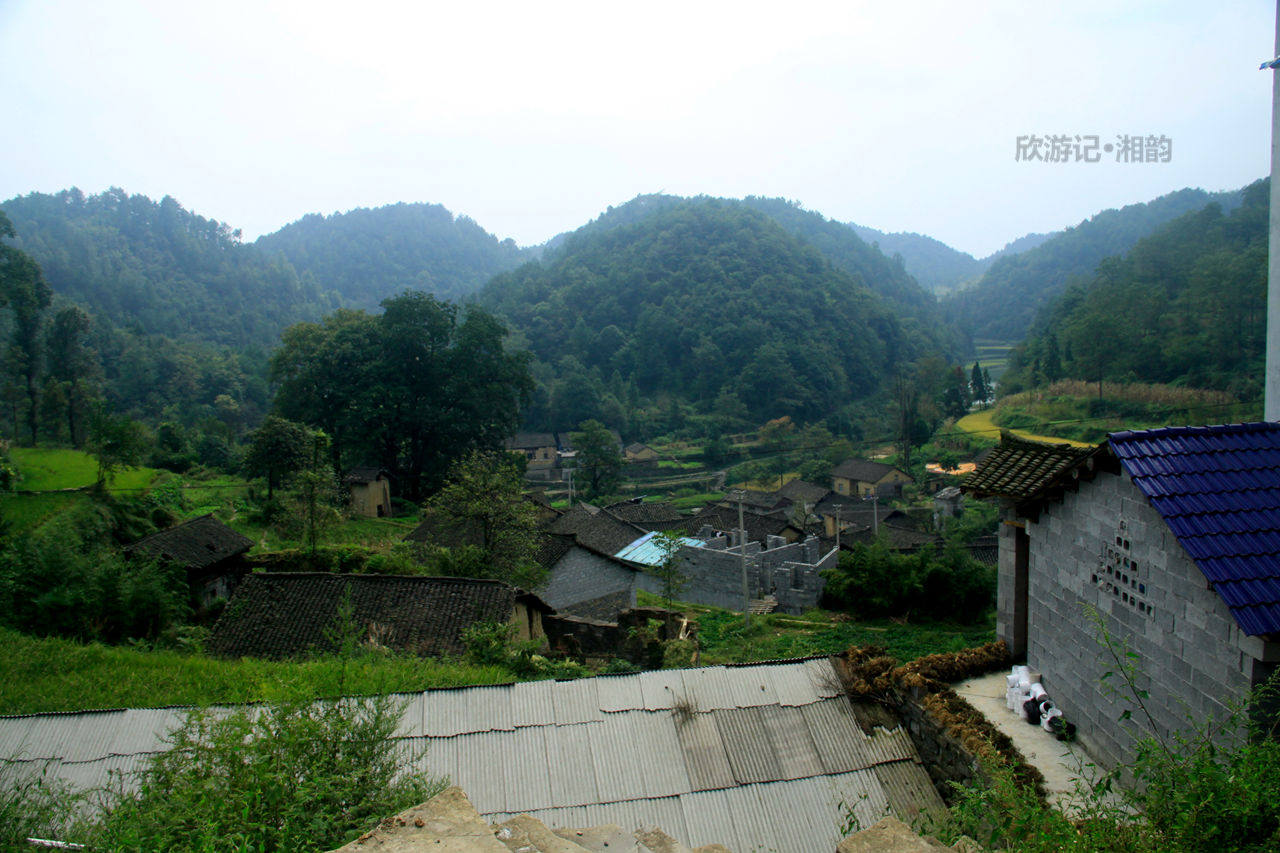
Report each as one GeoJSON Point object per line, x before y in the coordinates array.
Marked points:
{"type": "Point", "coordinates": [1271, 381]}
{"type": "Point", "coordinates": [742, 550]}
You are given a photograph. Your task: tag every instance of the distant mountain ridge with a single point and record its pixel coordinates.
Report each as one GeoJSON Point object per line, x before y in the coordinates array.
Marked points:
{"type": "Point", "coordinates": [367, 255]}
{"type": "Point", "coordinates": [939, 268]}
{"type": "Point", "coordinates": [1004, 303]}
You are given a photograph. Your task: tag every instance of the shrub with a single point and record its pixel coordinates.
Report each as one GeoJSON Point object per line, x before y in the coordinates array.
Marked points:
{"type": "Point", "coordinates": [292, 776]}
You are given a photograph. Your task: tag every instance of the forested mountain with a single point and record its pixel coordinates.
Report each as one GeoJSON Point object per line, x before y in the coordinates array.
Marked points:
{"type": "Point", "coordinates": [368, 255]}
{"type": "Point", "coordinates": [704, 301]}
{"type": "Point", "coordinates": [1186, 305]}
{"type": "Point", "coordinates": [160, 269]}
{"type": "Point", "coordinates": [1004, 302]}
{"type": "Point", "coordinates": [938, 267]}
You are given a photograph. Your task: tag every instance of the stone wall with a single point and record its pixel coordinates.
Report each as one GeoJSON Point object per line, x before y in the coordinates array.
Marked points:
{"type": "Point", "coordinates": [1105, 548]}
{"type": "Point", "coordinates": [944, 756]}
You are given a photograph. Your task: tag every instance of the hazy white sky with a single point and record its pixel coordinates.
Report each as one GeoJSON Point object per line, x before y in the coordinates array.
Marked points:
{"type": "Point", "coordinates": [533, 117]}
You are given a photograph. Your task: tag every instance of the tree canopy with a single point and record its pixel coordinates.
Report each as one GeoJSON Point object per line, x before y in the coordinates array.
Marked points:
{"type": "Point", "coordinates": [1186, 306]}
{"type": "Point", "coordinates": [412, 389]}
{"type": "Point", "coordinates": [1003, 304]}
{"type": "Point", "coordinates": [679, 300]}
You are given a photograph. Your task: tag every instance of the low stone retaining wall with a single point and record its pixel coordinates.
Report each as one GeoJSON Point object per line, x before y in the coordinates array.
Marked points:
{"type": "Point", "coordinates": [952, 737]}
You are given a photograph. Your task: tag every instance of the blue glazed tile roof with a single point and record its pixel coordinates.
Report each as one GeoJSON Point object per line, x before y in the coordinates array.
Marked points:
{"type": "Point", "coordinates": [1218, 489]}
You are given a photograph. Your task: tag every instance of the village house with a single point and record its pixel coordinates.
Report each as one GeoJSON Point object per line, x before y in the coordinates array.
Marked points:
{"type": "Point", "coordinates": [863, 478]}
{"type": "Point", "coordinates": [211, 552]}
{"type": "Point", "coordinates": [286, 615]}
{"type": "Point", "coordinates": [539, 448]}
{"type": "Point", "coordinates": [637, 452]}
{"type": "Point", "coordinates": [1169, 539]}
{"type": "Point", "coordinates": [370, 491]}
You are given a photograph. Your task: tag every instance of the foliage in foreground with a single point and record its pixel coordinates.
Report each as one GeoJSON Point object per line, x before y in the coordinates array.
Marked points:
{"type": "Point", "coordinates": [293, 776]}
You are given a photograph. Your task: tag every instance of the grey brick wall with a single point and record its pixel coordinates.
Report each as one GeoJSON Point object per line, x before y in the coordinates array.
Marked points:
{"type": "Point", "coordinates": [1105, 548]}
{"type": "Point", "coordinates": [582, 577]}
{"type": "Point", "coordinates": [791, 572]}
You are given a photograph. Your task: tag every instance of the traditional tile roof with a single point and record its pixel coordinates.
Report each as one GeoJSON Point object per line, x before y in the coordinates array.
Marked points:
{"type": "Point", "coordinates": [864, 470]}
{"type": "Point", "coordinates": [1218, 489]}
{"type": "Point", "coordinates": [596, 529]}
{"type": "Point", "coordinates": [757, 757]}
{"type": "Point", "coordinates": [364, 474]}
{"type": "Point", "coordinates": [1021, 469]}
{"type": "Point", "coordinates": [660, 515]}
{"type": "Point", "coordinates": [856, 510]}
{"type": "Point", "coordinates": [531, 440]}
{"type": "Point", "coordinates": [196, 544]}
{"type": "Point", "coordinates": [758, 527]}
{"type": "Point", "coordinates": [799, 491]}
{"type": "Point", "coordinates": [284, 615]}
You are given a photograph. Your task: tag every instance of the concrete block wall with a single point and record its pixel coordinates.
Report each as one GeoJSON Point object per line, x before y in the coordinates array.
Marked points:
{"type": "Point", "coordinates": [1105, 548]}
{"type": "Point", "coordinates": [715, 575]}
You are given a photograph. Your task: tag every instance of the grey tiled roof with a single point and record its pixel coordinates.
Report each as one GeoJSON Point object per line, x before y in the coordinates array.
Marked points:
{"type": "Point", "coordinates": [196, 544]}
{"type": "Point", "coordinates": [596, 529]}
{"type": "Point", "coordinates": [282, 615]}
{"type": "Point", "coordinates": [863, 470]}
{"type": "Point", "coordinates": [1022, 469]}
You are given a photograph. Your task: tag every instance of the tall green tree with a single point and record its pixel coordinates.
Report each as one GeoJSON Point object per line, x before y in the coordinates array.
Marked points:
{"type": "Point", "coordinates": [25, 292]}
{"type": "Point", "coordinates": [117, 442]}
{"type": "Point", "coordinates": [414, 389]}
{"type": "Point", "coordinates": [73, 364]}
{"type": "Point", "coordinates": [483, 504]}
{"type": "Point", "coordinates": [598, 460]}
{"type": "Point", "coordinates": [277, 448]}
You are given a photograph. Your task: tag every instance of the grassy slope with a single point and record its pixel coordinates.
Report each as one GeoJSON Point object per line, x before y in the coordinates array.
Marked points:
{"type": "Point", "coordinates": [51, 674]}
{"type": "Point", "coordinates": [980, 423]}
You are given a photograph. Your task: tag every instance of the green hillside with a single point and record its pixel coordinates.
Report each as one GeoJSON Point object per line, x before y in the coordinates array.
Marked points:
{"type": "Point", "coordinates": [365, 256]}
{"type": "Point", "coordinates": [1003, 304]}
{"type": "Point", "coordinates": [698, 300]}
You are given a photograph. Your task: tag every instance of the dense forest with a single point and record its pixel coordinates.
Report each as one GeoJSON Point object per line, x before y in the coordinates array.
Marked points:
{"type": "Point", "coordinates": [364, 256]}
{"type": "Point", "coordinates": [157, 268]}
{"type": "Point", "coordinates": [661, 308]}
{"type": "Point", "coordinates": [1003, 304]}
{"type": "Point", "coordinates": [1185, 306]}
{"type": "Point", "coordinates": [939, 268]}
{"type": "Point", "coordinates": [705, 302]}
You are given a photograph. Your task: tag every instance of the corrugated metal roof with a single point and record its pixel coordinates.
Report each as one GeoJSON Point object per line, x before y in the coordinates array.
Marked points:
{"type": "Point", "coordinates": [664, 765]}
{"type": "Point", "coordinates": [703, 749]}
{"type": "Point", "coordinates": [531, 703]}
{"type": "Point", "coordinates": [837, 736]}
{"type": "Point", "coordinates": [619, 693]}
{"type": "Point", "coordinates": [575, 702]}
{"type": "Point", "coordinates": [647, 553]}
{"type": "Point", "coordinates": [792, 743]}
{"type": "Point", "coordinates": [908, 790]}
{"type": "Point", "coordinates": [747, 745]}
{"type": "Point", "coordinates": [661, 688]}
{"type": "Point", "coordinates": [617, 759]}
{"type": "Point", "coordinates": [526, 770]}
{"type": "Point", "coordinates": [550, 751]}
